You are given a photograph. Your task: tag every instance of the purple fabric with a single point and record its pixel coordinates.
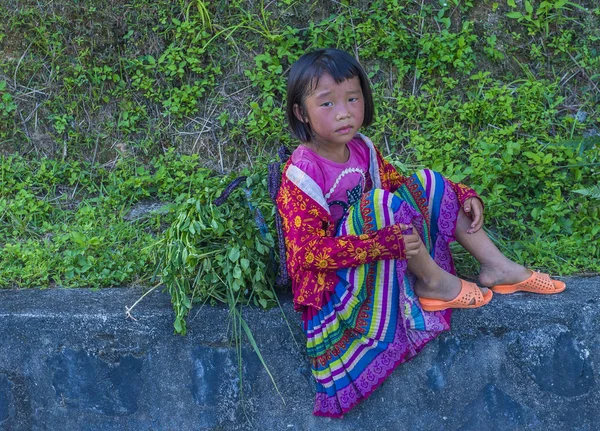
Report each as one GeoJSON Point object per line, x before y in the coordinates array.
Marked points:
{"type": "Point", "coordinates": [407, 341]}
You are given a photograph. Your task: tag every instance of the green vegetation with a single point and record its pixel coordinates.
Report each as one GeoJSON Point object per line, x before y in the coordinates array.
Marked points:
{"type": "Point", "coordinates": [105, 105]}
{"type": "Point", "coordinates": [220, 252]}
{"type": "Point", "coordinates": [76, 225]}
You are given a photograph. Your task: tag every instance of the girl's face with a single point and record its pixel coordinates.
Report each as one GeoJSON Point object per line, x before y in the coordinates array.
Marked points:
{"type": "Point", "coordinates": [334, 111]}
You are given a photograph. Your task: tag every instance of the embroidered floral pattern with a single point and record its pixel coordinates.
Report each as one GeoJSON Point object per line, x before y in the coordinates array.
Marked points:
{"type": "Point", "coordinates": [309, 231]}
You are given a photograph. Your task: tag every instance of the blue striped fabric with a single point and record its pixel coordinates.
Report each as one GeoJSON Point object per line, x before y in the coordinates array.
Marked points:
{"type": "Point", "coordinates": [373, 320]}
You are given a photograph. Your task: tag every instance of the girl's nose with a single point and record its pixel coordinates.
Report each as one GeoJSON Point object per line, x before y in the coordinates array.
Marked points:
{"type": "Point", "coordinates": [342, 113]}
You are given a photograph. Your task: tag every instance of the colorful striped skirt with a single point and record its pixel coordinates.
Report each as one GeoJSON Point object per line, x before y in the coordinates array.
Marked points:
{"type": "Point", "coordinates": [372, 321]}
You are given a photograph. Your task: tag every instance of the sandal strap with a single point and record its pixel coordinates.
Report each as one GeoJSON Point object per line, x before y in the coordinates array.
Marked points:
{"type": "Point", "coordinates": [470, 295]}
{"type": "Point", "coordinates": [541, 283]}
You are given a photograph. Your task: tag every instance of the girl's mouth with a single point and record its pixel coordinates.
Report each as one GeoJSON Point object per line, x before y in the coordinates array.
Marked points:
{"type": "Point", "coordinates": [345, 129]}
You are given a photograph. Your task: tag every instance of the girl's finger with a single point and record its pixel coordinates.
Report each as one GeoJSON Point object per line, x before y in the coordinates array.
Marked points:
{"type": "Point", "coordinates": [476, 219]}
{"type": "Point", "coordinates": [477, 224]}
{"type": "Point", "coordinates": [467, 206]}
{"type": "Point", "coordinates": [405, 227]}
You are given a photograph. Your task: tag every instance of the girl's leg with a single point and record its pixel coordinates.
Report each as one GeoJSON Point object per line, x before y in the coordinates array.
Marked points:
{"type": "Point", "coordinates": [495, 267]}
{"type": "Point", "coordinates": [432, 281]}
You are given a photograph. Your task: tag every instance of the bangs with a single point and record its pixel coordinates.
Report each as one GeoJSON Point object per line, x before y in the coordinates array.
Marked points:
{"type": "Point", "coordinates": [304, 78]}
{"type": "Point", "coordinates": [340, 72]}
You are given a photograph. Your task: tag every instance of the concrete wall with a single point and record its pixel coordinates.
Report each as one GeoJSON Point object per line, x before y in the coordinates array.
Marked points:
{"type": "Point", "coordinates": [71, 360]}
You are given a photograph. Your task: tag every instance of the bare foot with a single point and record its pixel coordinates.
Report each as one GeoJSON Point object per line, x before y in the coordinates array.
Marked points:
{"type": "Point", "coordinates": [505, 272]}
{"type": "Point", "coordinates": [443, 286]}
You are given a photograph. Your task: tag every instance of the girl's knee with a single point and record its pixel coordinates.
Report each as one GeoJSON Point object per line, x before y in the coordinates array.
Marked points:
{"type": "Point", "coordinates": [425, 174]}
{"type": "Point", "coordinates": [378, 206]}
{"type": "Point", "coordinates": [384, 199]}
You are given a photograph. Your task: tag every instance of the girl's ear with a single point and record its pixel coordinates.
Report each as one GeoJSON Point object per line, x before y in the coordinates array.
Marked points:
{"type": "Point", "coordinates": [299, 114]}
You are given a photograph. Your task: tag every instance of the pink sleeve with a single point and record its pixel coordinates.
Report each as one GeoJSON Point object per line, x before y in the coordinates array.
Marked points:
{"type": "Point", "coordinates": [313, 171]}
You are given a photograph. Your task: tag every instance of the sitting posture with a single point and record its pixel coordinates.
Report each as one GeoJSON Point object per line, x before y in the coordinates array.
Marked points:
{"type": "Point", "coordinates": [368, 249]}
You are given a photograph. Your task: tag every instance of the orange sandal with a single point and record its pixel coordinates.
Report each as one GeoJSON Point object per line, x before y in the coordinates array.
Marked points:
{"type": "Point", "coordinates": [537, 283]}
{"type": "Point", "coordinates": [470, 296]}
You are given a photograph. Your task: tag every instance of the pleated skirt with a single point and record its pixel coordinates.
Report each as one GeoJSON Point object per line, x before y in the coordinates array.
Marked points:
{"type": "Point", "coordinates": [372, 322]}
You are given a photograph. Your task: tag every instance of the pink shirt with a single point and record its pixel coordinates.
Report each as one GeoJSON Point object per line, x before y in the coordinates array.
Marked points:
{"type": "Point", "coordinates": [342, 183]}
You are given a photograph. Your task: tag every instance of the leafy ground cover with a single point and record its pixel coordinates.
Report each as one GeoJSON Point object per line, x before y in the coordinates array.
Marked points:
{"type": "Point", "coordinates": [105, 105]}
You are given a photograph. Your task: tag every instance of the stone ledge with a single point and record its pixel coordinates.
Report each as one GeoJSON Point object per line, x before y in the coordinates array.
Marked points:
{"type": "Point", "coordinates": [70, 360]}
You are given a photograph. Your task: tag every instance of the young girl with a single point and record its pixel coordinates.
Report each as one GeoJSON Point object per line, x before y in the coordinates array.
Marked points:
{"type": "Point", "coordinates": [367, 249]}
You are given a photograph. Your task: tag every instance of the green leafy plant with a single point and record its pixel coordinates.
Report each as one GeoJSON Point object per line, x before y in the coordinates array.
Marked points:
{"type": "Point", "coordinates": [218, 253]}
{"type": "Point", "coordinates": [7, 109]}
{"type": "Point", "coordinates": [593, 192]}
{"type": "Point", "coordinates": [547, 12]}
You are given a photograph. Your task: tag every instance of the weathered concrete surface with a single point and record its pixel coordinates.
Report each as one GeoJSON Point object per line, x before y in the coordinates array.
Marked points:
{"type": "Point", "coordinates": [70, 360]}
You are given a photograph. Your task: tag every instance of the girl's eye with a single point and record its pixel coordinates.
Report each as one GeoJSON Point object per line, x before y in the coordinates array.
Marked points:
{"type": "Point", "coordinates": [326, 104]}
{"type": "Point", "coordinates": [353, 99]}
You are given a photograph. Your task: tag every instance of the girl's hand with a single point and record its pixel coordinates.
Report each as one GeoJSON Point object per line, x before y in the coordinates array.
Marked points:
{"type": "Point", "coordinates": [412, 241]}
{"type": "Point", "coordinates": [474, 209]}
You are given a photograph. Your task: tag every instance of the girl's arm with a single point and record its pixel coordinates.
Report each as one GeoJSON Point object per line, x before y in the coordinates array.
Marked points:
{"type": "Point", "coordinates": [464, 192]}
{"type": "Point", "coordinates": [392, 181]}
{"type": "Point", "coordinates": [312, 246]}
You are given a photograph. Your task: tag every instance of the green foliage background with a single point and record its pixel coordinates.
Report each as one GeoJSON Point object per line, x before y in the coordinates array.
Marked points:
{"type": "Point", "coordinates": [106, 104]}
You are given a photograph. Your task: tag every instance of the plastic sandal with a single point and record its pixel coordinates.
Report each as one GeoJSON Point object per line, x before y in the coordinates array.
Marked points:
{"type": "Point", "coordinates": [470, 296]}
{"type": "Point", "coordinates": [537, 283]}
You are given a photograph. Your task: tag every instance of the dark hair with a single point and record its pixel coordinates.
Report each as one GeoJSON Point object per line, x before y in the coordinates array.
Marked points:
{"type": "Point", "coordinates": [305, 75]}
